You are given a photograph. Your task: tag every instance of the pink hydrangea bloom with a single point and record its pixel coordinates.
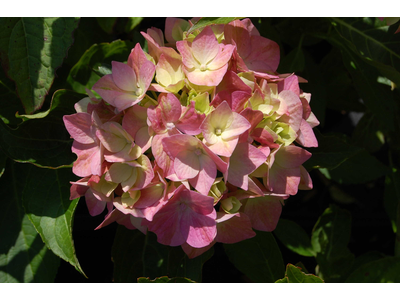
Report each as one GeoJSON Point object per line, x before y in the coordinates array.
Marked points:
{"type": "Point", "coordinates": [194, 140]}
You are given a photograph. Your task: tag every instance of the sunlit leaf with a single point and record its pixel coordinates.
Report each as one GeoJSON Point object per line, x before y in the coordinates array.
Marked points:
{"type": "Point", "coordinates": [36, 47]}
{"type": "Point", "coordinates": [330, 237]}
{"type": "Point", "coordinates": [23, 255]}
{"type": "Point", "coordinates": [294, 237]}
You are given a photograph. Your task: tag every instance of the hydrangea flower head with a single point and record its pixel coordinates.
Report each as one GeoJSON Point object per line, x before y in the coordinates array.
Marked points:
{"type": "Point", "coordinates": [194, 140]}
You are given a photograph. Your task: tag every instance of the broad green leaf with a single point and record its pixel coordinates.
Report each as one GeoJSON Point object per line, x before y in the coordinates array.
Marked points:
{"type": "Point", "coordinates": [367, 133]}
{"type": "Point", "coordinates": [341, 94]}
{"type": "Point", "coordinates": [107, 23]}
{"type": "Point", "coordinates": [366, 81]}
{"type": "Point", "coordinates": [207, 21]}
{"type": "Point", "coordinates": [62, 103]}
{"type": "Point", "coordinates": [330, 237]}
{"type": "Point", "coordinates": [36, 48]}
{"type": "Point", "coordinates": [295, 275]}
{"type": "Point", "coordinates": [137, 255]}
{"type": "Point", "coordinates": [367, 257]}
{"type": "Point", "coordinates": [83, 76]}
{"type": "Point", "coordinates": [45, 141]}
{"type": "Point", "coordinates": [259, 258]}
{"type": "Point", "coordinates": [165, 279]}
{"type": "Point", "coordinates": [132, 23]}
{"type": "Point", "coordinates": [372, 40]}
{"type": "Point", "coordinates": [343, 162]}
{"type": "Point", "coordinates": [385, 270]}
{"type": "Point", "coordinates": [332, 151]}
{"type": "Point", "coordinates": [360, 168]}
{"type": "Point", "coordinates": [9, 101]}
{"type": "Point", "coordinates": [294, 237]}
{"type": "Point", "coordinates": [23, 255]}
{"type": "Point", "coordinates": [45, 195]}
{"type": "Point", "coordinates": [293, 61]}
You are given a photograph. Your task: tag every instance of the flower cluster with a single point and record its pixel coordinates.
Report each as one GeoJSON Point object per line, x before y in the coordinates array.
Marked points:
{"type": "Point", "coordinates": [194, 140]}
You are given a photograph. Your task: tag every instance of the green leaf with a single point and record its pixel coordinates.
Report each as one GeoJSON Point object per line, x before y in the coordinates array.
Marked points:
{"type": "Point", "coordinates": [294, 237]}
{"type": "Point", "coordinates": [360, 168]}
{"type": "Point", "coordinates": [366, 81]}
{"type": "Point", "coordinates": [132, 23]}
{"type": "Point", "coordinates": [367, 134]}
{"type": "Point", "coordinates": [341, 94]}
{"type": "Point", "coordinates": [372, 40]}
{"type": "Point", "coordinates": [165, 279]}
{"type": "Point", "coordinates": [330, 237]}
{"type": "Point", "coordinates": [385, 270]}
{"type": "Point", "coordinates": [259, 258]}
{"type": "Point", "coordinates": [207, 21]}
{"type": "Point", "coordinates": [295, 275]}
{"type": "Point", "coordinates": [83, 76]}
{"type": "Point", "coordinates": [107, 23]}
{"type": "Point", "coordinates": [43, 141]}
{"type": "Point", "coordinates": [9, 101]}
{"type": "Point", "coordinates": [293, 62]}
{"type": "Point", "coordinates": [332, 151]}
{"type": "Point", "coordinates": [366, 258]}
{"type": "Point", "coordinates": [36, 48]}
{"type": "Point", "coordinates": [23, 255]}
{"type": "Point", "coordinates": [137, 255]}
{"type": "Point", "coordinates": [45, 195]}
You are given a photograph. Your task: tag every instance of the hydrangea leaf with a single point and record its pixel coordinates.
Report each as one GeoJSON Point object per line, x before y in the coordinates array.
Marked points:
{"type": "Point", "coordinates": [374, 42]}
{"type": "Point", "coordinates": [332, 151]}
{"type": "Point", "coordinates": [329, 239]}
{"type": "Point", "coordinates": [137, 255]}
{"type": "Point", "coordinates": [43, 141]}
{"type": "Point", "coordinates": [45, 195]}
{"type": "Point", "coordinates": [9, 101]}
{"type": "Point", "coordinates": [132, 23]}
{"type": "Point", "coordinates": [23, 255]}
{"type": "Point", "coordinates": [294, 237]}
{"type": "Point", "coordinates": [385, 270]}
{"type": "Point", "coordinates": [294, 274]}
{"type": "Point", "coordinates": [207, 21]}
{"type": "Point", "coordinates": [107, 23]}
{"type": "Point", "coordinates": [259, 258]}
{"type": "Point", "coordinates": [35, 48]}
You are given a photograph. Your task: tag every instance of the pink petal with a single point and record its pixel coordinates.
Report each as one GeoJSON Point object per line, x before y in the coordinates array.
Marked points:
{"type": "Point", "coordinates": [89, 159]}
{"type": "Point", "coordinates": [206, 176]}
{"type": "Point", "coordinates": [94, 205]}
{"type": "Point", "coordinates": [205, 46]}
{"type": "Point", "coordinates": [192, 252]}
{"type": "Point", "coordinates": [170, 108]}
{"type": "Point", "coordinates": [244, 160]}
{"type": "Point", "coordinates": [202, 229]}
{"type": "Point", "coordinates": [306, 136]}
{"type": "Point", "coordinates": [79, 127]}
{"type": "Point", "coordinates": [206, 78]}
{"type": "Point", "coordinates": [190, 120]}
{"type": "Point", "coordinates": [264, 212]}
{"type": "Point", "coordinates": [186, 164]}
{"type": "Point", "coordinates": [123, 76]}
{"type": "Point", "coordinates": [291, 156]}
{"type": "Point", "coordinates": [284, 181]}
{"type": "Point", "coordinates": [305, 180]}
{"type": "Point", "coordinates": [233, 228]}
